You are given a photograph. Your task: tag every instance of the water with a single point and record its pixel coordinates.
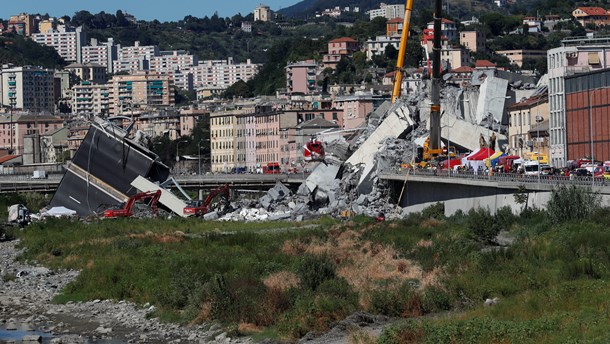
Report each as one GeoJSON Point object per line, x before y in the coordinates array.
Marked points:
{"type": "Point", "coordinates": [7, 336]}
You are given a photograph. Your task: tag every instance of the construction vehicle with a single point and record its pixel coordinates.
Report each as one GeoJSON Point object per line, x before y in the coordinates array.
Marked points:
{"type": "Point", "coordinates": [202, 207]}
{"type": "Point", "coordinates": [272, 168]}
{"type": "Point", "coordinates": [127, 209]}
{"type": "Point", "coordinates": [19, 214]}
{"type": "Point", "coordinates": [427, 154]}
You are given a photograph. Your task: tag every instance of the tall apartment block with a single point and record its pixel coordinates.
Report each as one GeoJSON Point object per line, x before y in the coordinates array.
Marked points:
{"type": "Point", "coordinates": [27, 88]}
{"type": "Point", "coordinates": [101, 53]}
{"type": "Point", "coordinates": [66, 41]}
{"type": "Point", "coordinates": [142, 90]}
{"type": "Point", "coordinates": [135, 58]}
{"type": "Point", "coordinates": [576, 55]}
{"type": "Point", "coordinates": [387, 11]}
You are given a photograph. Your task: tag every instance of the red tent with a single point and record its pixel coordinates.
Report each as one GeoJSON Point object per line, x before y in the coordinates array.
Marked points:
{"type": "Point", "coordinates": [452, 163]}
{"type": "Point", "coordinates": [482, 154]}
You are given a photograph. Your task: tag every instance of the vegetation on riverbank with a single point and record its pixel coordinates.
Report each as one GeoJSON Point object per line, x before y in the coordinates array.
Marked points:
{"type": "Point", "coordinates": [286, 279]}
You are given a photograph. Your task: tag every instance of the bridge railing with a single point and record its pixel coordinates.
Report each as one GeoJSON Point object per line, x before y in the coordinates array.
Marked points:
{"type": "Point", "coordinates": [507, 177]}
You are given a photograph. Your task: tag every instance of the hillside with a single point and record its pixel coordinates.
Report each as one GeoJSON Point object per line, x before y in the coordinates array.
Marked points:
{"type": "Point", "coordinates": [20, 51]}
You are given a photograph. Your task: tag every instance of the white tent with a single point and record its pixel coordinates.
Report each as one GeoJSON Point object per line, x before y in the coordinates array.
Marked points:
{"type": "Point", "coordinates": [59, 212]}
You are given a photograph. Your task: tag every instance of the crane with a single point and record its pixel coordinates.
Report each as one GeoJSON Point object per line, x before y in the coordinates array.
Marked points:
{"type": "Point", "coordinates": [402, 49]}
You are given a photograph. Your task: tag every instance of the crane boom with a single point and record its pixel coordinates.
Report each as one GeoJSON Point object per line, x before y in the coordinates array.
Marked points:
{"type": "Point", "coordinates": [435, 107]}
{"type": "Point", "coordinates": [402, 49]}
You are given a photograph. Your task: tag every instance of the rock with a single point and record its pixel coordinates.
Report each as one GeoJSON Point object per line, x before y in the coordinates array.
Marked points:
{"type": "Point", "coordinates": [277, 217]}
{"type": "Point", "coordinates": [299, 218]}
{"type": "Point", "coordinates": [303, 190]}
{"type": "Point", "coordinates": [31, 339]}
{"type": "Point", "coordinates": [278, 192]}
{"type": "Point", "coordinates": [321, 196]}
{"type": "Point", "coordinates": [291, 205]}
{"type": "Point", "coordinates": [211, 216]}
{"type": "Point", "coordinates": [103, 330]}
{"type": "Point", "coordinates": [11, 326]}
{"type": "Point", "coordinates": [362, 200]}
{"type": "Point", "coordinates": [265, 201]}
{"type": "Point", "coordinates": [491, 302]}
{"type": "Point", "coordinates": [221, 336]}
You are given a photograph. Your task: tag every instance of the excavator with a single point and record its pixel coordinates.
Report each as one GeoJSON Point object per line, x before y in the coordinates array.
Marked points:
{"type": "Point", "coordinates": [127, 209]}
{"type": "Point", "coordinates": [432, 147]}
{"type": "Point", "coordinates": [202, 207]}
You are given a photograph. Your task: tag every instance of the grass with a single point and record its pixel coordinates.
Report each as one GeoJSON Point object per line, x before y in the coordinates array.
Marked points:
{"type": "Point", "coordinates": [277, 280]}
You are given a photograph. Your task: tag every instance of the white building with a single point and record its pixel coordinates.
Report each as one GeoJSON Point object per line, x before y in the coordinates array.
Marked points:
{"type": "Point", "coordinates": [27, 88]}
{"type": "Point", "coordinates": [262, 13]}
{"type": "Point", "coordinates": [66, 41]}
{"type": "Point", "coordinates": [378, 45]}
{"type": "Point", "coordinates": [387, 11]}
{"type": "Point", "coordinates": [221, 73]}
{"type": "Point", "coordinates": [101, 53]}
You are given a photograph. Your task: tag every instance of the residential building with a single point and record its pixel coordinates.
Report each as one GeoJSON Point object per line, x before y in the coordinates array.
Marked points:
{"type": "Point", "coordinates": [141, 90]}
{"type": "Point", "coordinates": [22, 24]}
{"type": "Point", "coordinates": [517, 56]}
{"type": "Point", "coordinates": [246, 26]}
{"type": "Point", "coordinates": [14, 127]}
{"type": "Point", "coordinates": [90, 72]}
{"type": "Point", "coordinates": [473, 40]}
{"type": "Point", "coordinates": [394, 27]}
{"type": "Point", "coordinates": [591, 15]}
{"type": "Point", "coordinates": [576, 55]}
{"type": "Point", "coordinates": [528, 125]}
{"type": "Point", "coordinates": [90, 99]}
{"type": "Point", "coordinates": [338, 49]}
{"type": "Point", "coordinates": [76, 135]}
{"type": "Point", "coordinates": [387, 11]}
{"type": "Point", "coordinates": [221, 73]}
{"type": "Point", "coordinates": [27, 88]}
{"type": "Point", "coordinates": [103, 54]}
{"type": "Point", "coordinates": [355, 109]}
{"type": "Point", "coordinates": [44, 148]}
{"type": "Point", "coordinates": [533, 24]}
{"type": "Point", "coordinates": [378, 46]}
{"type": "Point", "coordinates": [176, 64]}
{"type": "Point", "coordinates": [448, 29]}
{"type": "Point", "coordinates": [263, 13]}
{"type": "Point", "coordinates": [587, 107]}
{"type": "Point", "coordinates": [47, 25]}
{"type": "Point", "coordinates": [67, 41]}
{"type": "Point", "coordinates": [301, 77]}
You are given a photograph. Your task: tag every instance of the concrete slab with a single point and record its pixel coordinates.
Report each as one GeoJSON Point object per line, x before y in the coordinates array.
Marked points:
{"type": "Point", "coordinates": [393, 126]}
{"type": "Point", "coordinates": [322, 177]}
{"type": "Point", "coordinates": [167, 198]}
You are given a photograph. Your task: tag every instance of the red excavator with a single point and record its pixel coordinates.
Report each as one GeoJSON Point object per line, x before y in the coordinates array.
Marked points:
{"type": "Point", "coordinates": [313, 150]}
{"type": "Point", "coordinates": [200, 208]}
{"type": "Point", "coordinates": [126, 210]}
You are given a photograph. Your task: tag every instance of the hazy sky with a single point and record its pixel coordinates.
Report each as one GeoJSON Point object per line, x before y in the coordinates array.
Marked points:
{"type": "Point", "coordinates": [163, 10]}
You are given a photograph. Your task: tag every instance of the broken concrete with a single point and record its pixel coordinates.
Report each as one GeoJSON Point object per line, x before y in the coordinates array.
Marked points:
{"type": "Point", "coordinates": [167, 198]}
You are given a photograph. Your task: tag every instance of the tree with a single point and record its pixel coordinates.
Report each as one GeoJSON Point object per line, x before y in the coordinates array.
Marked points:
{"type": "Point", "coordinates": [239, 90]}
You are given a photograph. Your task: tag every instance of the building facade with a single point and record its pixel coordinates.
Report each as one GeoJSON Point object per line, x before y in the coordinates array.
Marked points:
{"type": "Point", "coordinates": [301, 77]}
{"type": "Point", "coordinates": [387, 11]}
{"type": "Point", "coordinates": [14, 128]}
{"type": "Point", "coordinates": [526, 120]}
{"type": "Point", "coordinates": [575, 56]}
{"type": "Point", "coordinates": [67, 41]}
{"type": "Point", "coordinates": [90, 99]}
{"type": "Point", "coordinates": [473, 40]}
{"type": "Point", "coordinates": [519, 55]}
{"type": "Point", "coordinates": [142, 90]}
{"type": "Point", "coordinates": [263, 13]}
{"type": "Point", "coordinates": [28, 88]}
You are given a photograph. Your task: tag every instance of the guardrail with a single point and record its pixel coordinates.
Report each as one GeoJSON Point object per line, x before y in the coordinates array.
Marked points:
{"type": "Point", "coordinates": [507, 177]}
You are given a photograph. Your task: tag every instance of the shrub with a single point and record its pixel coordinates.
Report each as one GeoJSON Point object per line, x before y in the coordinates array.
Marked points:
{"type": "Point", "coordinates": [572, 202]}
{"type": "Point", "coordinates": [482, 225]}
{"type": "Point", "coordinates": [435, 300]}
{"type": "Point", "coordinates": [436, 211]}
{"type": "Point", "coordinates": [505, 217]}
{"type": "Point", "coordinates": [313, 270]}
{"type": "Point", "coordinates": [402, 301]}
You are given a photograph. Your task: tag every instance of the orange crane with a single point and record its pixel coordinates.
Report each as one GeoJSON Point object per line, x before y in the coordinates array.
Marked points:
{"type": "Point", "coordinates": [402, 50]}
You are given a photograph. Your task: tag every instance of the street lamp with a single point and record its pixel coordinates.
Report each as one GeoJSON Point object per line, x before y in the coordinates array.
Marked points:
{"type": "Point", "coordinates": [178, 145]}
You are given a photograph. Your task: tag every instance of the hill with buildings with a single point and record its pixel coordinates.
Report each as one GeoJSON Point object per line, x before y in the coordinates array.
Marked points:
{"type": "Point", "coordinates": [16, 49]}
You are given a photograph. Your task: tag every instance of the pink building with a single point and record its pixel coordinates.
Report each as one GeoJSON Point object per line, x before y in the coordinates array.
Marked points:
{"type": "Point", "coordinates": [355, 109]}
{"type": "Point", "coordinates": [301, 77]}
{"type": "Point", "coordinates": [14, 127]}
{"type": "Point", "coordinates": [339, 48]}
{"type": "Point", "coordinates": [250, 142]}
{"type": "Point", "coordinates": [267, 138]}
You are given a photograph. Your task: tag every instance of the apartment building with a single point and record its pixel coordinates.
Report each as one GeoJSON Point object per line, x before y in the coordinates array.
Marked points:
{"type": "Point", "coordinates": [377, 46]}
{"type": "Point", "coordinates": [22, 24]}
{"type": "Point", "coordinates": [448, 29]}
{"type": "Point", "coordinates": [14, 127]}
{"type": "Point", "coordinates": [473, 40]}
{"type": "Point", "coordinates": [221, 73]}
{"type": "Point", "coordinates": [176, 64]}
{"type": "Point", "coordinates": [133, 59]}
{"type": "Point", "coordinates": [387, 11]}
{"type": "Point", "coordinates": [67, 41]}
{"type": "Point", "coordinates": [575, 56]}
{"type": "Point", "coordinates": [141, 90]}
{"type": "Point", "coordinates": [339, 48]}
{"type": "Point", "coordinates": [101, 53]}
{"type": "Point", "coordinates": [90, 72]}
{"type": "Point", "coordinates": [27, 88]}
{"type": "Point", "coordinates": [394, 27]}
{"type": "Point", "coordinates": [354, 109]}
{"type": "Point", "coordinates": [301, 77]}
{"type": "Point", "coordinates": [90, 99]}
{"type": "Point", "coordinates": [528, 125]}
{"type": "Point", "coordinates": [47, 25]}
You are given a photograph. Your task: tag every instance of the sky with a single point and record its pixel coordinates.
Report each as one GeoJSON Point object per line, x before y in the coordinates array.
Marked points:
{"type": "Point", "coordinates": [162, 10]}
